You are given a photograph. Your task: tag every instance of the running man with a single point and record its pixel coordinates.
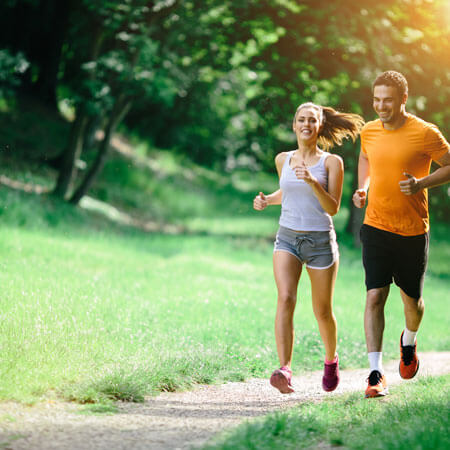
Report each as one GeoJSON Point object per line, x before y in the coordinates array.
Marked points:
{"type": "Point", "coordinates": [395, 158]}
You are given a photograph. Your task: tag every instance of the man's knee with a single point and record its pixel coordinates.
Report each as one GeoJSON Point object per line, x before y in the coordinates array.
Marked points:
{"type": "Point", "coordinates": [376, 298]}
{"type": "Point", "coordinates": [412, 303]}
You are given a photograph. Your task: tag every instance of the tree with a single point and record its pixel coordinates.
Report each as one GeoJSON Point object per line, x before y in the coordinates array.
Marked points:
{"type": "Point", "coordinates": [121, 67]}
{"type": "Point", "coordinates": [220, 80]}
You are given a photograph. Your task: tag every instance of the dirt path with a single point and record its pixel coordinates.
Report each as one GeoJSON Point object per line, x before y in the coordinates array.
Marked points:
{"type": "Point", "coordinates": [175, 420]}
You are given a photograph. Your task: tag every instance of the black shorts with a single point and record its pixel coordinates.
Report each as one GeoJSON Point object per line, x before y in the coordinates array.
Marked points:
{"type": "Point", "coordinates": [388, 256]}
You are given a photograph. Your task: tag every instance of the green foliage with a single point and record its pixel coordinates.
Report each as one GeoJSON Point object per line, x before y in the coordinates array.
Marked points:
{"type": "Point", "coordinates": [46, 132]}
{"type": "Point", "coordinates": [11, 66]}
{"type": "Point", "coordinates": [220, 80]}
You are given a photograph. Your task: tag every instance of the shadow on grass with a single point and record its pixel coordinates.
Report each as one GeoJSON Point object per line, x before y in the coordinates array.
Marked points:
{"type": "Point", "coordinates": [54, 211]}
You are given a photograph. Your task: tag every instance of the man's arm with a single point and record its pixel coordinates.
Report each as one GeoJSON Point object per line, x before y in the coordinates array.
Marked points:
{"type": "Point", "coordinates": [440, 176]}
{"type": "Point", "coordinates": [360, 195]}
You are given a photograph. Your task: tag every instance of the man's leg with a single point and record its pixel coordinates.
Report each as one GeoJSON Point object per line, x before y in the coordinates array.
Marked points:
{"type": "Point", "coordinates": [414, 309]}
{"type": "Point", "coordinates": [409, 273]}
{"type": "Point", "coordinates": [374, 318]}
{"type": "Point", "coordinates": [374, 328]}
{"type": "Point", "coordinates": [377, 248]}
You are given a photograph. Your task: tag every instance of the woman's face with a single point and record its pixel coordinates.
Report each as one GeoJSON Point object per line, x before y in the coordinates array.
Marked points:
{"type": "Point", "coordinates": [307, 123]}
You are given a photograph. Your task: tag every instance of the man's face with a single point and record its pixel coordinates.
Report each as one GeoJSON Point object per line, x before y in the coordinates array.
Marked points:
{"type": "Point", "coordinates": [387, 103]}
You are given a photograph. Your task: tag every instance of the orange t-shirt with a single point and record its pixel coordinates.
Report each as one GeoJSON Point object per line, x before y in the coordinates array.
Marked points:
{"type": "Point", "coordinates": [409, 149]}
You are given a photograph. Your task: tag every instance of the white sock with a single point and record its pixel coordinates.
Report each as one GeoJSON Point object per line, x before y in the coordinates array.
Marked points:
{"type": "Point", "coordinates": [375, 361]}
{"type": "Point", "coordinates": [409, 337]}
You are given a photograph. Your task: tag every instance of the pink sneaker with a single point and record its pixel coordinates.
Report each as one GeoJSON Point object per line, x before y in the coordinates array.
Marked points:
{"type": "Point", "coordinates": [281, 379]}
{"type": "Point", "coordinates": [330, 378]}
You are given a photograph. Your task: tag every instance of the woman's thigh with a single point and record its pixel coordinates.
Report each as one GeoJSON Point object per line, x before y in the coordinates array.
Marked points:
{"type": "Point", "coordinates": [287, 269]}
{"type": "Point", "coordinates": [322, 286]}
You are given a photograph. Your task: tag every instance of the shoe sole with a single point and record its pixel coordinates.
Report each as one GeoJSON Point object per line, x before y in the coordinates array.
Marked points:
{"type": "Point", "coordinates": [330, 389]}
{"type": "Point", "coordinates": [280, 382]}
{"type": "Point", "coordinates": [378, 394]}
{"type": "Point", "coordinates": [408, 378]}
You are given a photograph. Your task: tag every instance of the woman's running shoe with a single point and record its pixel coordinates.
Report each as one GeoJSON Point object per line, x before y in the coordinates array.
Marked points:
{"type": "Point", "coordinates": [281, 379]}
{"type": "Point", "coordinates": [330, 378]}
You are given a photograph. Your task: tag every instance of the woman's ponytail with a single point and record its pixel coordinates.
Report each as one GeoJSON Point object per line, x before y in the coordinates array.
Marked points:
{"type": "Point", "coordinates": [337, 126]}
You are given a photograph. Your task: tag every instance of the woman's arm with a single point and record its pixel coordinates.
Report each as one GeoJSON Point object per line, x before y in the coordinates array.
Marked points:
{"type": "Point", "coordinates": [261, 201]}
{"type": "Point", "coordinates": [331, 200]}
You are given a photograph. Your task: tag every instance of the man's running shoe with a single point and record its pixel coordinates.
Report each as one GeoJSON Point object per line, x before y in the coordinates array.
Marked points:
{"type": "Point", "coordinates": [409, 363]}
{"type": "Point", "coordinates": [377, 385]}
{"type": "Point", "coordinates": [281, 379]}
{"type": "Point", "coordinates": [330, 378]}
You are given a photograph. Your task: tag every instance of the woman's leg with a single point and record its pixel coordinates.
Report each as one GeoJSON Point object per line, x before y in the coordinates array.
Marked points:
{"type": "Point", "coordinates": [322, 288]}
{"type": "Point", "coordinates": [287, 269]}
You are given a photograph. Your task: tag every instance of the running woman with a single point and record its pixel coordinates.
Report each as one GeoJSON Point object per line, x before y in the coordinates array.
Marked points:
{"type": "Point", "coordinates": [310, 193]}
{"type": "Point", "coordinates": [396, 153]}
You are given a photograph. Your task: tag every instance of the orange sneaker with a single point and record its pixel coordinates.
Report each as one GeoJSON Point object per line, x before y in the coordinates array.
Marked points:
{"type": "Point", "coordinates": [377, 385]}
{"type": "Point", "coordinates": [281, 379]}
{"type": "Point", "coordinates": [409, 363]}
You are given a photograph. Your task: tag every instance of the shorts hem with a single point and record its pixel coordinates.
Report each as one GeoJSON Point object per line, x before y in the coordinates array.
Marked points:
{"type": "Point", "coordinates": [410, 292]}
{"type": "Point", "coordinates": [287, 251]}
{"type": "Point", "coordinates": [378, 285]}
{"type": "Point", "coordinates": [325, 267]}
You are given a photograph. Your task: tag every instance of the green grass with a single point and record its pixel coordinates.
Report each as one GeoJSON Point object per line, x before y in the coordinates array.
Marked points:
{"type": "Point", "coordinates": [93, 311]}
{"type": "Point", "coordinates": [414, 416]}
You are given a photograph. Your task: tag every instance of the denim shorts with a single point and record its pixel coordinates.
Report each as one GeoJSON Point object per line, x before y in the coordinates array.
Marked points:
{"type": "Point", "coordinates": [317, 249]}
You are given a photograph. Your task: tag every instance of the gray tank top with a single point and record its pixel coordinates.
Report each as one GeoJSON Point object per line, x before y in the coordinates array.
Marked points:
{"type": "Point", "coordinates": [300, 208]}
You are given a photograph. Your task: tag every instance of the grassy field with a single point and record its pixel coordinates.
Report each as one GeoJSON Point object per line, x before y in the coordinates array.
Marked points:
{"type": "Point", "coordinates": [94, 311]}
{"type": "Point", "coordinates": [413, 416]}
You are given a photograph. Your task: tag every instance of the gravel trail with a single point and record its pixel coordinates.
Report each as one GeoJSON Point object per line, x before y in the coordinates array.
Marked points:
{"type": "Point", "coordinates": [176, 420]}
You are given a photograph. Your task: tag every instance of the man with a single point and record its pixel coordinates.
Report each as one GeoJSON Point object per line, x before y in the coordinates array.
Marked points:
{"type": "Point", "coordinates": [395, 158]}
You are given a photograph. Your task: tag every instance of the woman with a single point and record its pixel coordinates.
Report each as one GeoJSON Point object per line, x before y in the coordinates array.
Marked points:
{"type": "Point", "coordinates": [310, 193]}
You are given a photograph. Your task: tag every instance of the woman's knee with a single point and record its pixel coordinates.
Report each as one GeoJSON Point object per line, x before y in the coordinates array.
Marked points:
{"type": "Point", "coordinates": [287, 299]}
{"type": "Point", "coordinates": [324, 314]}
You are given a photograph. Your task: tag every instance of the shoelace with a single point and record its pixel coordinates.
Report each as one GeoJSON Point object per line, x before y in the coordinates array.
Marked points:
{"type": "Point", "coordinates": [407, 354]}
{"type": "Point", "coordinates": [330, 370]}
{"type": "Point", "coordinates": [374, 378]}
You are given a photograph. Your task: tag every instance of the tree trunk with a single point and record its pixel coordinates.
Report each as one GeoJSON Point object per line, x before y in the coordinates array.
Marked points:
{"type": "Point", "coordinates": [71, 154]}
{"type": "Point", "coordinates": [48, 49]}
{"type": "Point", "coordinates": [121, 108]}
{"type": "Point", "coordinates": [68, 169]}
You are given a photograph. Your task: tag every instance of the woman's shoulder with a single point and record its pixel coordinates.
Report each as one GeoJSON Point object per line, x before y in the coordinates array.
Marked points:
{"type": "Point", "coordinates": [281, 157]}
{"type": "Point", "coordinates": [333, 160]}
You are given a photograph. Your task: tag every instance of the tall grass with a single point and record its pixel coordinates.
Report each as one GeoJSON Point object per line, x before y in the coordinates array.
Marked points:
{"type": "Point", "coordinates": [92, 310]}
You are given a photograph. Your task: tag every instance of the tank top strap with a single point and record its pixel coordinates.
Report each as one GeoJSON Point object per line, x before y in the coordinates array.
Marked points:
{"type": "Point", "coordinates": [288, 158]}
{"type": "Point", "coordinates": [323, 158]}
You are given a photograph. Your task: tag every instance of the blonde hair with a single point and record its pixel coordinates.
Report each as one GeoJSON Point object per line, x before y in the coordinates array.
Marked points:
{"type": "Point", "coordinates": [335, 126]}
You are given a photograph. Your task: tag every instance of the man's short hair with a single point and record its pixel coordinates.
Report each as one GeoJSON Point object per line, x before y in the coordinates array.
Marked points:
{"type": "Point", "coordinates": [392, 78]}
